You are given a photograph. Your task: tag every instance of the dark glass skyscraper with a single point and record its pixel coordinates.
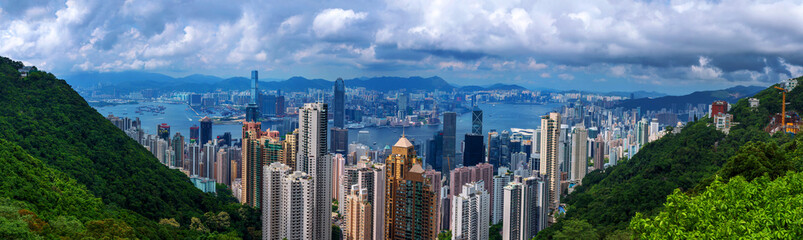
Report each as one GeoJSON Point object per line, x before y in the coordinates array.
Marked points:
{"type": "Point", "coordinates": [252, 110]}
{"type": "Point", "coordinates": [194, 134]}
{"type": "Point", "coordinates": [339, 141]}
{"type": "Point", "coordinates": [206, 130]}
{"type": "Point", "coordinates": [435, 151]}
{"type": "Point", "coordinates": [163, 131]}
{"type": "Point", "coordinates": [340, 103]}
{"type": "Point", "coordinates": [476, 121]}
{"type": "Point", "coordinates": [449, 142]}
{"type": "Point", "coordinates": [474, 152]}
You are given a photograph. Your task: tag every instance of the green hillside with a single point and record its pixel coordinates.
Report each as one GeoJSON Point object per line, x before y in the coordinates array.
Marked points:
{"type": "Point", "coordinates": [51, 122]}
{"type": "Point", "coordinates": [687, 162]}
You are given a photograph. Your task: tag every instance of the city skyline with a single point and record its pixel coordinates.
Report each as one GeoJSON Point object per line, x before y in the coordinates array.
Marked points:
{"type": "Point", "coordinates": [582, 46]}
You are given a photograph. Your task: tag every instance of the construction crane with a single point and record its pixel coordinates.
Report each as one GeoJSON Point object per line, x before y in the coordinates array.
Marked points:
{"type": "Point", "coordinates": [783, 107]}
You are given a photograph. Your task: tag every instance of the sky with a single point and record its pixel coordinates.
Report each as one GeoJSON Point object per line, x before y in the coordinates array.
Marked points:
{"type": "Point", "coordinates": [663, 46]}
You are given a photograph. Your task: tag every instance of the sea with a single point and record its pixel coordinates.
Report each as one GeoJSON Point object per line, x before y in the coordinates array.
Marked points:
{"type": "Point", "coordinates": [499, 116]}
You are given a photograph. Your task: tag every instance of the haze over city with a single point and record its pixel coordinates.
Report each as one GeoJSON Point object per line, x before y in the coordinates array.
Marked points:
{"type": "Point", "coordinates": [675, 46]}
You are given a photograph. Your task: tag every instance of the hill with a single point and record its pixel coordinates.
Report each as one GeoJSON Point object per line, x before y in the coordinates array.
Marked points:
{"type": "Point", "coordinates": [730, 95]}
{"type": "Point", "coordinates": [688, 162]}
{"type": "Point", "coordinates": [51, 122]}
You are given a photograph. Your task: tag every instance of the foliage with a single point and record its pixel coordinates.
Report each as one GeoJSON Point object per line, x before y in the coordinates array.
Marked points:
{"type": "Point", "coordinates": [445, 235]}
{"type": "Point", "coordinates": [495, 232]}
{"type": "Point", "coordinates": [337, 233]}
{"type": "Point", "coordinates": [761, 209]}
{"type": "Point", "coordinates": [576, 229]}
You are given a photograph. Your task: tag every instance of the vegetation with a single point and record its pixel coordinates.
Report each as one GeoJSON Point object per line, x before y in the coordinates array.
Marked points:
{"type": "Point", "coordinates": [686, 162]}
{"type": "Point", "coordinates": [495, 232]}
{"type": "Point", "coordinates": [445, 235]}
{"type": "Point", "coordinates": [758, 209]}
{"type": "Point", "coordinates": [68, 162]}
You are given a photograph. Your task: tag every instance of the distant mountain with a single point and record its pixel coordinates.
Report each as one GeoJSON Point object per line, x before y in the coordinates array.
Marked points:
{"type": "Point", "coordinates": [636, 94]}
{"type": "Point", "coordinates": [395, 83]}
{"type": "Point", "coordinates": [730, 95]}
{"type": "Point", "coordinates": [498, 86]}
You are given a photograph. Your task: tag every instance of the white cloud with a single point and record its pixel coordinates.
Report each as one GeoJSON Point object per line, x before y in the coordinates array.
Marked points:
{"type": "Point", "coordinates": [532, 65]}
{"type": "Point", "coordinates": [795, 70]}
{"type": "Point", "coordinates": [705, 70]}
{"type": "Point", "coordinates": [566, 76]}
{"type": "Point", "coordinates": [333, 20]}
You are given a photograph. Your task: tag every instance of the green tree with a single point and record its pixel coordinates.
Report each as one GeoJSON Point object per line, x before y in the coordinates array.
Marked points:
{"type": "Point", "coordinates": [446, 235]}
{"type": "Point", "coordinates": [337, 234]}
{"type": "Point", "coordinates": [576, 229]}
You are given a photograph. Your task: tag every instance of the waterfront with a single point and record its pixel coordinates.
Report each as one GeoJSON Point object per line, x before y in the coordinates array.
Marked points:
{"type": "Point", "coordinates": [496, 116]}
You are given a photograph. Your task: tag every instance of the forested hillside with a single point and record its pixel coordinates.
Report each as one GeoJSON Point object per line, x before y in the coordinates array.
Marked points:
{"type": "Point", "coordinates": [51, 122]}
{"type": "Point", "coordinates": [684, 163]}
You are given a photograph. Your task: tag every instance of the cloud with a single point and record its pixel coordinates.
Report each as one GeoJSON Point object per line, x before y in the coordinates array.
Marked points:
{"type": "Point", "coordinates": [566, 76]}
{"type": "Point", "coordinates": [332, 21]}
{"type": "Point", "coordinates": [678, 43]}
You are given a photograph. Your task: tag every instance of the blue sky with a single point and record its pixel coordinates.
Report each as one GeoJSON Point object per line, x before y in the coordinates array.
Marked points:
{"type": "Point", "coordinates": [665, 46]}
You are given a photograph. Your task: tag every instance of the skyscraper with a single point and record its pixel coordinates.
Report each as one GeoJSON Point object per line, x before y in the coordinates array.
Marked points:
{"type": "Point", "coordinates": [401, 102]}
{"type": "Point", "coordinates": [410, 211]}
{"type": "Point", "coordinates": [474, 152]}
{"type": "Point", "coordinates": [163, 131]}
{"type": "Point", "coordinates": [252, 110]}
{"type": "Point", "coordinates": [312, 158]}
{"type": "Point", "coordinates": [340, 103]}
{"type": "Point", "coordinates": [449, 141]}
{"type": "Point", "coordinates": [434, 155]}
{"type": "Point", "coordinates": [579, 153]}
{"type": "Point", "coordinates": [550, 133]}
{"type": "Point", "coordinates": [206, 130]}
{"type": "Point", "coordinates": [258, 148]}
{"type": "Point", "coordinates": [178, 149]}
{"type": "Point", "coordinates": [290, 149]}
{"type": "Point", "coordinates": [476, 121]}
{"type": "Point", "coordinates": [494, 153]}
{"type": "Point", "coordinates": [298, 208]}
{"type": "Point", "coordinates": [194, 134]}
{"type": "Point", "coordinates": [497, 196]}
{"type": "Point", "coordinates": [380, 184]}
{"type": "Point", "coordinates": [339, 141]}
{"type": "Point", "coordinates": [272, 220]}
{"type": "Point", "coordinates": [471, 212]}
{"type": "Point", "coordinates": [524, 209]}
{"type": "Point", "coordinates": [359, 217]}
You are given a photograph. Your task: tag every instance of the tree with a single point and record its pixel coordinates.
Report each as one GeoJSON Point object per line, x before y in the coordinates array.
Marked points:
{"type": "Point", "coordinates": [576, 229]}
{"type": "Point", "coordinates": [337, 234]}
{"type": "Point", "coordinates": [446, 235]}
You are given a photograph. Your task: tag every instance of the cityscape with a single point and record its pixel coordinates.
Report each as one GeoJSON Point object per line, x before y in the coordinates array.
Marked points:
{"type": "Point", "coordinates": [131, 134]}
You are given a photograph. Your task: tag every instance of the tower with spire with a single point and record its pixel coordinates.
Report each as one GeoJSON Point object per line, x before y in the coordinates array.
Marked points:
{"type": "Point", "coordinates": [411, 202]}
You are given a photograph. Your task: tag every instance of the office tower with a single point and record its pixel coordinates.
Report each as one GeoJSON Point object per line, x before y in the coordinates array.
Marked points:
{"type": "Point", "coordinates": [210, 152]}
{"type": "Point", "coordinates": [193, 158]}
{"type": "Point", "coordinates": [224, 140]}
{"type": "Point", "coordinates": [511, 213]}
{"type": "Point", "coordinates": [401, 102]}
{"type": "Point", "coordinates": [599, 154]}
{"type": "Point", "coordinates": [476, 121]}
{"type": "Point", "coordinates": [654, 127]}
{"type": "Point", "coordinates": [434, 155]}
{"type": "Point", "coordinates": [298, 208]}
{"type": "Point", "coordinates": [267, 104]}
{"type": "Point", "coordinates": [280, 108]}
{"type": "Point", "coordinates": [460, 176]}
{"type": "Point", "coordinates": [194, 134]}
{"type": "Point", "coordinates": [550, 133]}
{"type": "Point", "coordinates": [206, 130]}
{"type": "Point", "coordinates": [364, 137]}
{"type": "Point", "coordinates": [518, 161]}
{"type": "Point", "coordinates": [642, 132]}
{"type": "Point", "coordinates": [564, 149]}
{"type": "Point", "coordinates": [290, 149]}
{"type": "Point", "coordinates": [504, 148]}
{"type": "Point", "coordinates": [380, 184]}
{"type": "Point", "coordinates": [340, 103]}
{"type": "Point", "coordinates": [161, 150]}
{"type": "Point", "coordinates": [474, 152]}
{"type": "Point", "coordinates": [223, 166]}
{"type": "Point", "coordinates": [313, 160]}
{"type": "Point", "coordinates": [449, 142]}
{"type": "Point", "coordinates": [410, 211]}
{"type": "Point", "coordinates": [494, 157]}
{"type": "Point", "coordinates": [339, 141]}
{"type": "Point", "coordinates": [471, 212]}
{"type": "Point", "coordinates": [252, 110]}
{"type": "Point", "coordinates": [178, 150]}
{"type": "Point", "coordinates": [579, 153]}
{"type": "Point", "coordinates": [163, 131]}
{"type": "Point", "coordinates": [272, 220]}
{"type": "Point", "coordinates": [359, 217]}
{"type": "Point", "coordinates": [497, 196]}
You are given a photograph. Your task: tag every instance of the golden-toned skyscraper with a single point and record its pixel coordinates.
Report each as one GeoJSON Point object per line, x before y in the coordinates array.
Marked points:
{"type": "Point", "coordinates": [411, 203]}
{"type": "Point", "coordinates": [290, 148]}
{"type": "Point", "coordinates": [550, 132]}
{"type": "Point", "coordinates": [259, 149]}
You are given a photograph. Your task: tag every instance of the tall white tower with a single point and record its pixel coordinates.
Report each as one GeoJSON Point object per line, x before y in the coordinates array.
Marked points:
{"type": "Point", "coordinates": [312, 158]}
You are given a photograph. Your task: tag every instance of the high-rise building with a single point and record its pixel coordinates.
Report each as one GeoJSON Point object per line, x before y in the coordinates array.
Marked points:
{"type": "Point", "coordinates": [359, 217]}
{"type": "Point", "coordinates": [494, 153]}
{"type": "Point", "coordinates": [471, 212]}
{"type": "Point", "coordinates": [163, 131]}
{"type": "Point", "coordinates": [194, 134]}
{"type": "Point", "coordinates": [449, 142]}
{"type": "Point", "coordinates": [193, 159]}
{"type": "Point", "coordinates": [340, 103]}
{"type": "Point", "coordinates": [511, 213]}
{"type": "Point", "coordinates": [290, 149]}
{"type": "Point", "coordinates": [524, 209]}
{"type": "Point", "coordinates": [224, 140]}
{"type": "Point", "coordinates": [642, 132]}
{"type": "Point", "coordinates": [258, 148]}
{"type": "Point", "coordinates": [338, 172]}
{"type": "Point", "coordinates": [550, 133]}
{"type": "Point", "coordinates": [272, 220]}
{"type": "Point", "coordinates": [178, 150]}
{"type": "Point", "coordinates": [363, 137]}
{"type": "Point", "coordinates": [380, 184]}
{"type": "Point", "coordinates": [474, 152]}
{"type": "Point", "coordinates": [579, 153]}
{"type": "Point", "coordinates": [434, 154]}
{"type": "Point", "coordinates": [411, 205]}
{"type": "Point", "coordinates": [298, 208]}
{"type": "Point", "coordinates": [223, 166]}
{"type": "Point", "coordinates": [339, 141]}
{"type": "Point", "coordinates": [599, 153]}
{"type": "Point", "coordinates": [312, 158]}
{"type": "Point", "coordinates": [476, 121]}
{"type": "Point", "coordinates": [361, 175]}
{"type": "Point", "coordinates": [497, 196]}
{"type": "Point", "coordinates": [402, 101]}
{"type": "Point", "coordinates": [280, 108]}
{"type": "Point", "coordinates": [206, 130]}
{"type": "Point", "coordinates": [252, 110]}
{"type": "Point", "coordinates": [460, 176]}
{"type": "Point", "coordinates": [210, 152]}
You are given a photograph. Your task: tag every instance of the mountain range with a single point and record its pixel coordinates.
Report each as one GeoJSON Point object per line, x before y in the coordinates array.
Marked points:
{"type": "Point", "coordinates": [730, 95]}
